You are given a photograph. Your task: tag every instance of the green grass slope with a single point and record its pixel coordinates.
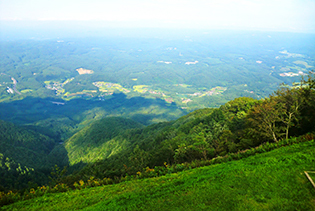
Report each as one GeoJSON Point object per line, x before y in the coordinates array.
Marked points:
{"type": "Point", "coordinates": [268, 181]}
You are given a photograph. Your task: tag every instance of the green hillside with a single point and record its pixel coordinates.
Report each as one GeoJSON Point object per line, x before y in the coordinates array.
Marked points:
{"type": "Point", "coordinates": [106, 148]}
{"type": "Point", "coordinates": [24, 146]}
{"type": "Point", "coordinates": [268, 181]}
{"type": "Point", "coordinates": [22, 153]}
{"type": "Point", "coordinates": [98, 140]}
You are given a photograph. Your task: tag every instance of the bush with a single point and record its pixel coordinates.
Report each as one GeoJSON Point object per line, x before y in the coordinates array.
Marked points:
{"type": "Point", "coordinates": [8, 198]}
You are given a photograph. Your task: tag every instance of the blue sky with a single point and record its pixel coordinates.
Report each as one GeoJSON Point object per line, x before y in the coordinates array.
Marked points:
{"type": "Point", "coordinates": [274, 15]}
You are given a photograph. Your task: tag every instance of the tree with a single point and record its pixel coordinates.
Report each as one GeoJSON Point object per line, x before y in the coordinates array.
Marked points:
{"type": "Point", "coordinates": [264, 119]}
{"type": "Point", "coordinates": [180, 153]}
{"type": "Point", "coordinates": [57, 174]}
{"type": "Point", "coordinates": [201, 145]}
{"type": "Point", "coordinates": [299, 104]}
{"type": "Point", "coordinates": [307, 113]}
{"type": "Point", "coordinates": [139, 159]}
{"type": "Point", "coordinates": [292, 101]}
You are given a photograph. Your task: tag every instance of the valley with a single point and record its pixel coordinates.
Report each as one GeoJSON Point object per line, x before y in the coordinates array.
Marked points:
{"type": "Point", "coordinates": [202, 72]}
{"type": "Point", "coordinates": [87, 112]}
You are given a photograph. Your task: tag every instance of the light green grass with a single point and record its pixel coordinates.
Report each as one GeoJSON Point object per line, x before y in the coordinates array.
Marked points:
{"type": "Point", "coordinates": [303, 63]}
{"type": "Point", "coordinates": [270, 181]}
{"type": "Point", "coordinates": [140, 88]}
{"type": "Point", "coordinates": [26, 90]}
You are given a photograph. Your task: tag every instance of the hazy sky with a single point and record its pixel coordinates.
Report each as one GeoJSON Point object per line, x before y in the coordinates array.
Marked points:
{"type": "Point", "coordinates": [283, 15]}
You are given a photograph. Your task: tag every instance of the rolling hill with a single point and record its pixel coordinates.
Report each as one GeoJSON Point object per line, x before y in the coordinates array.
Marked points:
{"type": "Point", "coordinates": [24, 157]}
{"type": "Point", "coordinates": [24, 146]}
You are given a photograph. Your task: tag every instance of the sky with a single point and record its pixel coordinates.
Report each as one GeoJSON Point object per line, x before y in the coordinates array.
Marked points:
{"type": "Point", "coordinates": [271, 15]}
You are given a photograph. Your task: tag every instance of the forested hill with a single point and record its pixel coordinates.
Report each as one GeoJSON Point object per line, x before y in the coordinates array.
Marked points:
{"type": "Point", "coordinates": [99, 140]}
{"type": "Point", "coordinates": [24, 146]}
{"type": "Point", "coordinates": [24, 157]}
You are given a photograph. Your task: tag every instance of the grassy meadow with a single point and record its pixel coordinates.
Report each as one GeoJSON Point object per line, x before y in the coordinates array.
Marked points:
{"type": "Point", "coordinates": [273, 180]}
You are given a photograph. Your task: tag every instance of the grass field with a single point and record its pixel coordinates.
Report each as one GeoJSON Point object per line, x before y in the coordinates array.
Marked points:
{"type": "Point", "coordinates": [269, 181]}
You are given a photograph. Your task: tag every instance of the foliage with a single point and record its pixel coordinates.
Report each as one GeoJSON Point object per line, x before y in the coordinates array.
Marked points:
{"type": "Point", "coordinates": [264, 117]}
{"type": "Point", "coordinates": [291, 101]}
{"type": "Point", "coordinates": [24, 157]}
{"type": "Point", "coordinates": [97, 141]}
{"type": "Point", "coordinates": [16, 142]}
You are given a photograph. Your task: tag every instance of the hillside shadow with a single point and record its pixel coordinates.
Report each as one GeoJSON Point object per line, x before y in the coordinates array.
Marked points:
{"type": "Point", "coordinates": [55, 117]}
{"type": "Point", "coordinates": [31, 109]}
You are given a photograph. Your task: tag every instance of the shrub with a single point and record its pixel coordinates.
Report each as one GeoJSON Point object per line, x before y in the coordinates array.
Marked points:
{"type": "Point", "coordinates": [8, 198]}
